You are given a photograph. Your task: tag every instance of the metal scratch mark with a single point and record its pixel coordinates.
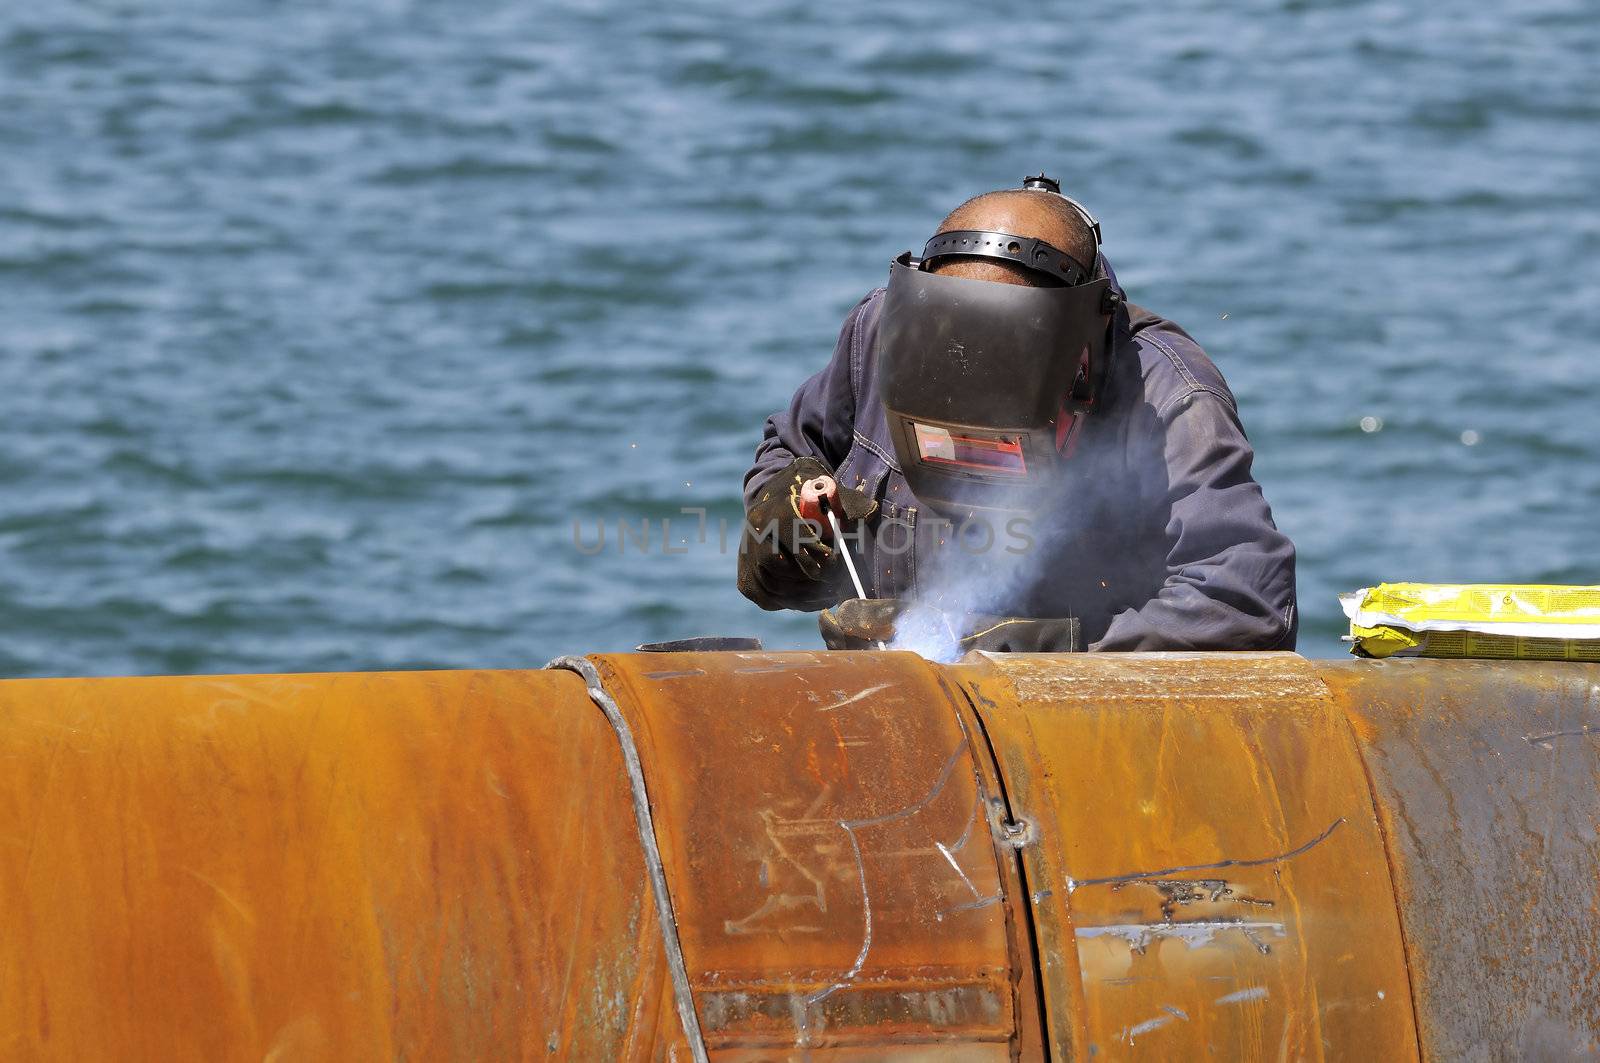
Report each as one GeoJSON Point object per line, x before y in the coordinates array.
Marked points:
{"type": "Point", "coordinates": [912, 809]}
{"type": "Point", "coordinates": [244, 912]}
{"type": "Point", "coordinates": [674, 675]}
{"type": "Point", "coordinates": [821, 799]}
{"type": "Point", "coordinates": [1130, 1033]}
{"type": "Point", "coordinates": [969, 906]}
{"type": "Point", "coordinates": [1195, 934]}
{"type": "Point", "coordinates": [972, 821]}
{"type": "Point", "coordinates": [1257, 992]}
{"type": "Point", "coordinates": [1250, 936]}
{"type": "Point", "coordinates": [1183, 891]}
{"type": "Point", "coordinates": [1547, 739]}
{"type": "Point", "coordinates": [1165, 872]}
{"type": "Point", "coordinates": [853, 698]}
{"type": "Point", "coordinates": [950, 858]}
{"type": "Point", "coordinates": [850, 826]}
{"type": "Point", "coordinates": [866, 926]}
{"type": "Point", "coordinates": [781, 899]}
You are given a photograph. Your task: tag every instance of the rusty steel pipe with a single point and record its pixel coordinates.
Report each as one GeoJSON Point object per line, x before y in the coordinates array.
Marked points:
{"type": "Point", "coordinates": [840, 856]}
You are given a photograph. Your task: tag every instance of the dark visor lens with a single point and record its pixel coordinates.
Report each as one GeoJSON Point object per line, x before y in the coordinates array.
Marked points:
{"type": "Point", "coordinates": [999, 454]}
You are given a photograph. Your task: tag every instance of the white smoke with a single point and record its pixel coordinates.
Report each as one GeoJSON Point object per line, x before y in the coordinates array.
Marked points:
{"type": "Point", "coordinates": [983, 566]}
{"type": "Point", "coordinates": [928, 634]}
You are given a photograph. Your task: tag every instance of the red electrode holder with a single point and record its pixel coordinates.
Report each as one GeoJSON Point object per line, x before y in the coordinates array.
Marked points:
{"type": "Point", "coordinates": [814, 494]}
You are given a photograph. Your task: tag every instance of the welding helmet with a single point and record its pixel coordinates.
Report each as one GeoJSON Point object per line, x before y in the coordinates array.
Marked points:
{"type": "Point", "coordinates": [983, 382]}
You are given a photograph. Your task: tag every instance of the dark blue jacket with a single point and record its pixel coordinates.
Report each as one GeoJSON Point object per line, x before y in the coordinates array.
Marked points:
{"type": "Point", "coordinates": [1158, 538]}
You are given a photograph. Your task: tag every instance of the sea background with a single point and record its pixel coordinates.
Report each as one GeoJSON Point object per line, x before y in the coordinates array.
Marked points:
{"type": "Point", "coordinates": [321, 326]}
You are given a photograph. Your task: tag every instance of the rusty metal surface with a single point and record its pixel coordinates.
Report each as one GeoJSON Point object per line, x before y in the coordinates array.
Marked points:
{"type": "Point", "coordinates": [1488, 779]}
{"type": "Point", "coordinates": [1207, 872]}
{"type": "Point", "coordinates": [827, 837]}
{"type": "Point", "coordinates": [650, 850]}
{"type": "Point", "coordinates": [428, 865]}
{"type": "Point", "coordinates": [1019, 857]}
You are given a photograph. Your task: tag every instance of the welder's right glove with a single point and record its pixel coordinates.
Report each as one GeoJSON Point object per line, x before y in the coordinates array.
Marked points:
{"type": "Point", "coordinates": [864, 623]}
{"type": "Point", "coordinates": [785, 561]}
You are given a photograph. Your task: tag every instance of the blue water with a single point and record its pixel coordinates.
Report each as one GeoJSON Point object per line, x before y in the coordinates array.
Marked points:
{"type": "Point", "coordinates": [322, 324]}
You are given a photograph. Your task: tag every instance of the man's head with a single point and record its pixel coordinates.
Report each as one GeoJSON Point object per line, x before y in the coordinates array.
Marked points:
{"type": "Point", "coordinates": [1028, 212]}
{"type": "Point", "coordinates": [982, 384]}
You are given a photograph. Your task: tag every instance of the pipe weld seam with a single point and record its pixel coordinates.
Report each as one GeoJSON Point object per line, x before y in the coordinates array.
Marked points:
{"type": "Point", "coordinates": [682, 994]}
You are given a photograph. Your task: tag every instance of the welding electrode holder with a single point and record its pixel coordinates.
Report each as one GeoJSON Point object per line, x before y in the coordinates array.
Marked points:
{"type": "Point", "coordinates": [817, 496]}
{"type": "Point", "coordinates": [822, 494]}
{"type": "Point", "coordinates": [848, 504]}
{"type": "Point", "coordinates": [784, 563]}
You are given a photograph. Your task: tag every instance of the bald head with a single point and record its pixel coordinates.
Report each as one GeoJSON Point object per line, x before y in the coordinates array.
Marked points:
{"type": "Point", "coordinates": [1021, 212]}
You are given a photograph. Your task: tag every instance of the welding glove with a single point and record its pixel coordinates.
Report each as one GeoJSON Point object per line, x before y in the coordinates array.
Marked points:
{"type": "Point", "coordinates": [1021, 634]}
{"type": "Point", "coordinates": [784, 560]}
{"type": "Point", "coordinates": [860, 624]}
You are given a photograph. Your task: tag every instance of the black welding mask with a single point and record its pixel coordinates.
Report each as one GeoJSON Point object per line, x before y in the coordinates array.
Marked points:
{"type": "Point", "coordinates": [984, 382]}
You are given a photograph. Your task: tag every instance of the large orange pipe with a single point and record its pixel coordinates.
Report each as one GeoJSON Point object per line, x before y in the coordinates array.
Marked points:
{"type": "Point", "coordinates": [830, 856]}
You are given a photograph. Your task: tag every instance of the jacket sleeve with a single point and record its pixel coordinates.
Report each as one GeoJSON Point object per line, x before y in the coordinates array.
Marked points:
{"type": "Point", "coordinates": [820, 419]}
{"type": "Point", "coordinates": [1230, 571]}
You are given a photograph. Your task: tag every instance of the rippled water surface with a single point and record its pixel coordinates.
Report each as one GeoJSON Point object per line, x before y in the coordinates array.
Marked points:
{"type": "Point", "coordinates": [321, 327]}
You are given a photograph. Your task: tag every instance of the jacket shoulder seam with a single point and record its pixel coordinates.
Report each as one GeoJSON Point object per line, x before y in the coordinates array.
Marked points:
{"type": "Point", "coordinates": [1190, 392]}
{"type": "Point", "coordinates": [856, 368]}
{"type": "Point", "coordinates": [864, 441]}
{"type": "Point", "coordinates": [1184, 371]}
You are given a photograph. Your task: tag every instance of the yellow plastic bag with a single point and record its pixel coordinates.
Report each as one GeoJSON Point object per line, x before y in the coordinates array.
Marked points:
{"type": "Point", "coordinates": [1505, 621]}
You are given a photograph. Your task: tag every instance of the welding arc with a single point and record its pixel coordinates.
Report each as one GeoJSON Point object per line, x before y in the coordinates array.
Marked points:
{"type": "Point", "coordinates": [844, 549]}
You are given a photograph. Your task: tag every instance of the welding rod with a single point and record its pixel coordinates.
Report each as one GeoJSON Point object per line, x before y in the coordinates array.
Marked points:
{"type": "Point", "coordinates": [844, 548]}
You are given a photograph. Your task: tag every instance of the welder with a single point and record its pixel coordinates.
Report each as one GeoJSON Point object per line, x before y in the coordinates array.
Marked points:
{"type": "Point", "coordinates": [1023, 460]}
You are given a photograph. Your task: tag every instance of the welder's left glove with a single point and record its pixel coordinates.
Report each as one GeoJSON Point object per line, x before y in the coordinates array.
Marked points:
{"type": "Point", "coordinates": [1020, 634]}
{"type": "Point", "coordinates": [859, 624]}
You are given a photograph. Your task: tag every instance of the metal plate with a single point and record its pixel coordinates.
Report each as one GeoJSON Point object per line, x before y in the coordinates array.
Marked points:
{"type": "Point", "coordinates": [826, 838]}
{"type": "Point", "coordinates": [1215, 855]}
{"type": "Point", "coordinates": [1207, 873]}
{"type": "Point", "coordinates": [1488, 783]}
{"type": "Point", "coordinates": [433, 864]}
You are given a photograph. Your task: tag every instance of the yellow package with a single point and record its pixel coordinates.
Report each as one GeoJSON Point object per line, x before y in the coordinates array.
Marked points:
{"type": "Point", "coordinates": [1505, 621]}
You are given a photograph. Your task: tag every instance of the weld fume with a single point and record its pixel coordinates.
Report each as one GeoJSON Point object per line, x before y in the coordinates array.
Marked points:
{"type": "Point", "coordinates": [964, 581]}
{"type": "Point", "coordinates": [927, 634]}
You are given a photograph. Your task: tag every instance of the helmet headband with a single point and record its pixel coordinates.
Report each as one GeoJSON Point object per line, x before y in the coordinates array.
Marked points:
{"type": "Point", "coordinates": [1025, 251]}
